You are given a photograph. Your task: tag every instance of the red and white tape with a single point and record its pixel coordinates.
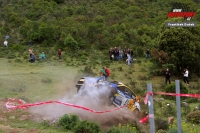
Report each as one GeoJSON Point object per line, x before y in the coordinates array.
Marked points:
{"type": "Point", "coordinates": [170, 94]}
{"type": "Point", "coordinates": [23, 106]}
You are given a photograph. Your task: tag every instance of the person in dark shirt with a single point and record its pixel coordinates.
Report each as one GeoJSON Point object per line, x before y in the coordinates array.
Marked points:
{"type": "Point", "coordinates": [147, 53]}
{"type": "Point", "coordinates": [167, 76]}
{"type": "Point", "coordinates": [59, 54]}
{"type": "Point", "coordinates": [111, 53]}
{"type": "Point", "coordinates": [32, 58]}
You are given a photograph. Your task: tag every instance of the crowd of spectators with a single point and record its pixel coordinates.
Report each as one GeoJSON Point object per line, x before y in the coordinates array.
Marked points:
{"type": "Point", "coordinates": [125, 54]}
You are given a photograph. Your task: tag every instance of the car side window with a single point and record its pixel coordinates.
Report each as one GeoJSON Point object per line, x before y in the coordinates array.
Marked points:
{"type": "Point", "coordinates": [128, 92]}
{"type": "Point", "coordinates": [121, 88]}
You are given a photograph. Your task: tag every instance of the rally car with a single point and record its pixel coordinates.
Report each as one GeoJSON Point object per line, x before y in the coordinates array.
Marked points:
{"type": "Point", "coordinates": [119, 94]}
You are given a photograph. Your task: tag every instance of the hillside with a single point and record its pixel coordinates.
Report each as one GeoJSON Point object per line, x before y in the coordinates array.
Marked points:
{"type": "Point", "coordinates": [85, 30]}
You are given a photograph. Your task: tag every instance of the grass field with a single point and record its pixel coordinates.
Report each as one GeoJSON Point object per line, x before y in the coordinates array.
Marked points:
{"type": "Point", "coordinates": [51, 80]}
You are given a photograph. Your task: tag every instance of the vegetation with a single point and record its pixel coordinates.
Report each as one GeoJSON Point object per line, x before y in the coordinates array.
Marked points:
{"type": "Point", "coordinates": [85, 30]}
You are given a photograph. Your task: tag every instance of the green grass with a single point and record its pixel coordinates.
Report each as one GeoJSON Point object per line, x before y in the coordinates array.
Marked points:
{"type": "Point", "coordinates": [51, 79]}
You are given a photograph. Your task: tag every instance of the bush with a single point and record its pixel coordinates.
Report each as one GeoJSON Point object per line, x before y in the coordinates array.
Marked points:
{"type": "Point", "coordinates": [171, 88]}
{"type": "Point", "coordinates": [128, 128]}
{"type": "Point", "coordinates": [17, 47]}
{"type": "Point", "coordinates": [161, 124]}
{"type": "Point", "coordinates": [68, 121]}
{"type": "Point", "coordinates": [87, 127]}
{"type": "Point", "coordinates": [11, 56]}
{"type": "Point", "coordinates": [169, 110]}
{"type": "Point", "coordinates": [194, 117]}
{"type": "Point", "coordinates": [172, 131]}
{"type": "Point", "coordinates": [161, 131]}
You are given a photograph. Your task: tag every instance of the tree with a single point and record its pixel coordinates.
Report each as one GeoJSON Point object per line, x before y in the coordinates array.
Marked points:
{"type": "Point", "coordinates": [71, 43]}
{"type": "Point", "coordinates": [181, 45]}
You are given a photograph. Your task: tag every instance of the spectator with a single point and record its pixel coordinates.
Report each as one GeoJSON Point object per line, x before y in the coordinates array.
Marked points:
{"type": "Point", "coordinates": [147, 53]}
{"type": "Point", "coordinates": [129, 59]}
{"type": "Point", "coordinates": [167, 76]}
{"type": "Point", "coordinates": [120, 55]}
{"type": "Point", "coordinates": [111, 53]}
{"type": "Point", "coordinates": [7, 37]}
{"type": "Point", "coordinates": [42, 56]}
{"type": "Point", "coordinates": [59, 54]}
{"type": "Point", "coordinates": [30, 42]}
{"type": "Point", "coordinates": [107, 73]}
{"type": "Point", "coordinates": [5, 43]}
{"type": "Point", "coordinates": [185, 76]}
{"type": "Point", "coordinates": [32, 58]}
{"type": "Point", "coordinates": [30, 51]}
{"type": "Point", "coordinates": [103, 72]}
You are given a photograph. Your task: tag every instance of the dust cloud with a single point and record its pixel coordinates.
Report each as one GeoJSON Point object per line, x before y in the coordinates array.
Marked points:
{"type": "Point", "coordinates": [91, 96]}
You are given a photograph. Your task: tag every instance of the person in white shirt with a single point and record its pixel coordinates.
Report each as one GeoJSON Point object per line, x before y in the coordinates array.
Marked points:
{"type": "Point", "coordinates": [185, 76]}
{"type": "Point", "coordinates": [5, 43]}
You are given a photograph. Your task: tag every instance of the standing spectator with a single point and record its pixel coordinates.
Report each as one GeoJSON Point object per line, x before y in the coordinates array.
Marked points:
{"type": "Point", "coordinates": [59, 54]}
{"type": "Point", "coordinates": [147, 53]}
{"type": "Point", "coordinates": [185, 76]}
{"type": "Point", "coordinates": [129, 59]}
{"type": "Point", "coordinates": [120, 54]}
{"type": "Point", "coordinates": [111, 53]}
{"type": "Point", "coordinates": [5, 43]}
{"type": "Point", "coordinates": [107, 73]}
{"type": "Point", "coordinates": [167, 76]}
{"type": "Point", "coordinates": [30, 51]}
{"type": "Point", "coordinates": [7, 37]}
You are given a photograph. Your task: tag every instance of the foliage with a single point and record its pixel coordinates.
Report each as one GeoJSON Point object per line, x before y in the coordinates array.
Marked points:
{"type": "Point", "coordinates": [171, 88]}
{"type": "Point", "coordinates": [71, 43]}
{"type": "Point", "coordinates": [194, 117]}
{"type": "Point", "coordinates": [128, 128]}
{"type": "Point", "coordinates": [161, 124]}
{"type": "Point", "coordinates": [161, 131]}
{"type": "Point", "coordinates": [68, 121]}
{"type": "Point", "coordinates": [160, 56]}
{"type": "Point", "coordinates": [87, 127]}
{"type": "Point", "coordinates": [181, 45]}
{"type": "Point", "coordinates": [17, 47]}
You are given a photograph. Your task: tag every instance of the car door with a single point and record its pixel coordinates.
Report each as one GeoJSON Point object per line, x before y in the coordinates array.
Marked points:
{"type": "Point", "coordinates": [120, 98]}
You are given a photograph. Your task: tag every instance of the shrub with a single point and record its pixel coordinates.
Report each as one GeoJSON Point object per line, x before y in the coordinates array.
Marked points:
{"type": "Point", "coordinates": [194, 117]}
{"type": "Point", "coordinates": [171, 88]}
{"type": "Point", "coordinates": [87, 127]}
{"type": "Point", "coordinates": [11, 56]}
{"type": "Point", "coordinates": [88, 70]}
{"type": "Point", "coordinates": [161, 131]}
{"type": "Point", "coordinates": [172, 131]}
{"type": "Point", "coordinates": [18, 60]}
{"type": "Point", "coordinates": [68, 121]}
{"type": "Point", "coordinates": [169, 110]}
{"type": "Point", "coordinates": [17, 47]}
{"type": "Point", "coordinates": [186, 110]}
{"type": "Point", "coordinates": [161, 124]}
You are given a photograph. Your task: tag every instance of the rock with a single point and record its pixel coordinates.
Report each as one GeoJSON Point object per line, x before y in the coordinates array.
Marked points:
{"type": "Point", "coordinates": [197, 107]}
{"type": "Point", "coordinates": [162, 99]}
{"type": "Point", "coordinates": [184, 104]}
{"type": "Point", "coordinates": [12, 117]}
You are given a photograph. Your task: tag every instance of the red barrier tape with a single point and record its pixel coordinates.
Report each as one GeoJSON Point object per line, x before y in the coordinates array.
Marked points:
{"type": "Point", "coordinates": [23, 106]}
{"type": "Point", "coordinates": [171, 94]}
